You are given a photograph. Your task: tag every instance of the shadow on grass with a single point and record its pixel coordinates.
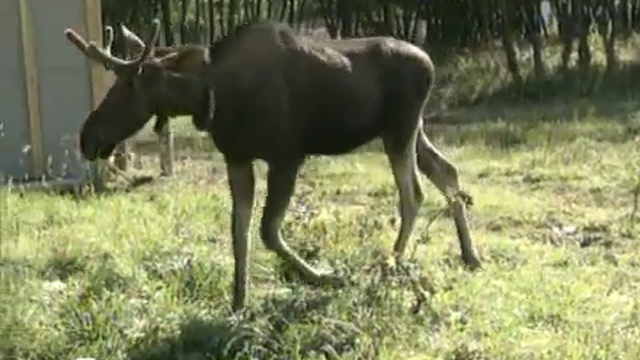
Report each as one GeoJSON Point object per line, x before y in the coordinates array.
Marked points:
{"type": "Point", "coordinates": [196, 339]}
{"type": "Point", "coordinates": [129, 185]}
{"type": "Point", "coordinates": [304, 322]}
{"type": "Point", "coordinates": [79, 191]}
{"type": "Point", "coordinates": [266, 332]}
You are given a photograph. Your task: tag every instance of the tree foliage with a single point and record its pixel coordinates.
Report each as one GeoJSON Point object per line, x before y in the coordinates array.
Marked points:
{"type": "Point", "coordinates": [439, 25]}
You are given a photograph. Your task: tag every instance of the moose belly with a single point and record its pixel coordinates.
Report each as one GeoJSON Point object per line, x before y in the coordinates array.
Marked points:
{"type": "Point", "coordinates": [339, 119]}
{"type": "Point", "coordinates": [335, 140]}
{"type": "Point", "coordinates": [340, 129]}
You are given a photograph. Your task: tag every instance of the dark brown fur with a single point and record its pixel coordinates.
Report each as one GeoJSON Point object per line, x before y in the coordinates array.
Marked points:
{"type": "Point", "coordinates": [191, 60]}
{"type": "Point", "coordinates": [281, 98]}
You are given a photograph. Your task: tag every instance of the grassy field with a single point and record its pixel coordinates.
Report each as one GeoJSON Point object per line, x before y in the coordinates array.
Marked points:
{"type": "Point", "coordinates": [145, 273]}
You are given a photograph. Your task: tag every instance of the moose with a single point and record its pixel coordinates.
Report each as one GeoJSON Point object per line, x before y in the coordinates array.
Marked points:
{"type": "Point", "coordinates": [281, 98]}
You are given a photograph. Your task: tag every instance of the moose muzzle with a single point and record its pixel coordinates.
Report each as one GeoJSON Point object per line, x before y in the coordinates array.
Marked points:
{"type": "Point", "coordinates": [92, 147]}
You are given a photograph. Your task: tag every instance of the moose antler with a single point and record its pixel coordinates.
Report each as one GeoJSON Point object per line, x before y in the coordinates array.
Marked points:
{"type": "Point", "coordinates": [103, 56]}
{"type": "Point", "coordinates": [109, 38]}
{"type": "Point", "coordinates": [91, 51]}
{"type": "Point", "coordinates": [79, 42]}
{"type": "Point", "coordinates": [150, 44]}
{"type": "Point", "coordinates": [134, 43]}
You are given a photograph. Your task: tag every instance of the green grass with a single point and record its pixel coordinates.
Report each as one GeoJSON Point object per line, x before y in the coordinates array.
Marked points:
{"type": "Point", "coordinates": [146, 274]}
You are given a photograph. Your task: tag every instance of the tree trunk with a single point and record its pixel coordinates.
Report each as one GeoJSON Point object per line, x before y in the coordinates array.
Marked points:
{"type": "Point", "coordinates": [507, 9]}
{"type": "Point", "coordinates": [566, 28]}
{"type": "Point", "coordinates": [625, 18]}
{"type": "Point", "coordinates": [269, 9]}
{"type": "Point", "coordinates": [344, 13]}
{"type": "Point", "coordinates": [389, 19]}
{"type": "Point", "coordinates": [534, 34]}
{"type": "Point", "coordinates": [583, 23]}
{"type": "Point", "coordinates": [221, 23]}
{"type": "Point", "coordinates": [247, 10]}
{"type": "Point", "coordinates": [301, 12]}
{"type": "Point", "coordinates": [232, 15]}
{"type": "Point", "coordinates": [167, 22]}
{"type": "Point", "coordinates": [184, 6]}
{"type": "Point", "coordinates": [211, 20]}
{"type": "Point", "coordinates": [330, 17]}
{"type": "Point", "coordinates": [291, 18]}
{"type": "Point", "coordinates": [283, 10]}
{"type": "Point", "coordinates": [258, 8]}
{"type": "Point", "coordinates": [197, 24]}
{"type": "Point", "coordinates": [609, 32]}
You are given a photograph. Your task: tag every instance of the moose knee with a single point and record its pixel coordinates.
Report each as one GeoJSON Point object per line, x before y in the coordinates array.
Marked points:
{"type": "Point", "coordinates": [442, 173]}
{"type": "Point", "coordinates": [450, 172]}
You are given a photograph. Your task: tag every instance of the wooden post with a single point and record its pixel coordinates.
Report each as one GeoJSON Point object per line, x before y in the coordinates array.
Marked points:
{"type": "Point", "coordinates": [32, 86]}
{"type": "Point", "coordinates": [93, 31]}
{"type": "Point", "coordinates": [165, 139]}
{"type": "Point", "coordinates": [421, 34]}
{"type": "Point", "coordinates": [166, 150]}
{"type": "Point", "coordinates": [121, 155]}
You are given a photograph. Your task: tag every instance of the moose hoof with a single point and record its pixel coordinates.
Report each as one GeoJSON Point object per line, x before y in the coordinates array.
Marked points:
{"type": "Point", "coordinates": [329, 280]}
{"type": "Point", "coordinates": [472, 262]}
{"type": "Point", "coordinates": [237, 307]}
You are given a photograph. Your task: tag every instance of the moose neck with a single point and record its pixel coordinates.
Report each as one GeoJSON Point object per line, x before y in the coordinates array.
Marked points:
{"type": "Point", "coordinates": [186, 94]}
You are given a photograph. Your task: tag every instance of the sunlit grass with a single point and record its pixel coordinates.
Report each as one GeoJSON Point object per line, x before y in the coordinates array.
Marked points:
{"type": "Point", "coordinates": [146, 274]}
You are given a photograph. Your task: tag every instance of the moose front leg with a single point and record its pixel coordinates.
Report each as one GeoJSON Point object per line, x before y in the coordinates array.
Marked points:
{"type": "Point", "coordinates": [405, 173]}
{"type": "Point", "coordinates": [280, 186]}
{"type": "Point", "coordinates": [242, 185]}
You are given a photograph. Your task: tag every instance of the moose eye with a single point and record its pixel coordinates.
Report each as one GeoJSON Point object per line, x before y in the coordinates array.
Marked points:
{"type": "Point", "coordinates": [149, 72]}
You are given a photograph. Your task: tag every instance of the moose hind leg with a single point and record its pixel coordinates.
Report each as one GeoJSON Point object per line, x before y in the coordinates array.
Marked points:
{"type": "Point", "coordinates": [281, 179]}
{"type": "Point", "coordinates": [402, 158]}
{"type": "Point", "coordinates": [444, 175]}
{"type": "Point", "coordinates": [242, 185]}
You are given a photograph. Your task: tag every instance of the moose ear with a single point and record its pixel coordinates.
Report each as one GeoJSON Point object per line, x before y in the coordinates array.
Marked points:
{"type": "Point", "coordinates": [170, 61]}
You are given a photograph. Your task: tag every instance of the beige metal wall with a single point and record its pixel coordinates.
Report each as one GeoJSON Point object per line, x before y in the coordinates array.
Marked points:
{"type": "Point", "coordinates": [14, 126]}
{"type": "Point", "coordinates": [46, 86]}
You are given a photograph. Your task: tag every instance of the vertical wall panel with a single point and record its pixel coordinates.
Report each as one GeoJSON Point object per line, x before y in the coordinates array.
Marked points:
{"type": "Point", "coordinates": [65, 88]}
{"type": "Point", "coordinates": [14, 131]}
{"type": "Point", "coordinates": [67, 85]}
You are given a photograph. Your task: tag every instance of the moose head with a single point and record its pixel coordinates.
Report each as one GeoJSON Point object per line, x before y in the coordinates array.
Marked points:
{"type": "Point", "coordinates": [140, 89]}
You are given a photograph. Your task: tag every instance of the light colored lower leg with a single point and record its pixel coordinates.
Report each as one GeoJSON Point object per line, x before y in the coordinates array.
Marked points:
{"type": "Point", "coordinates": [273, 241]}
{"type": "Point", "coordinates": [242, 183]}
{"type": "Point", "coordinates": [444, 175]}
{"type": "Point", "coordinates": [405, 174]}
